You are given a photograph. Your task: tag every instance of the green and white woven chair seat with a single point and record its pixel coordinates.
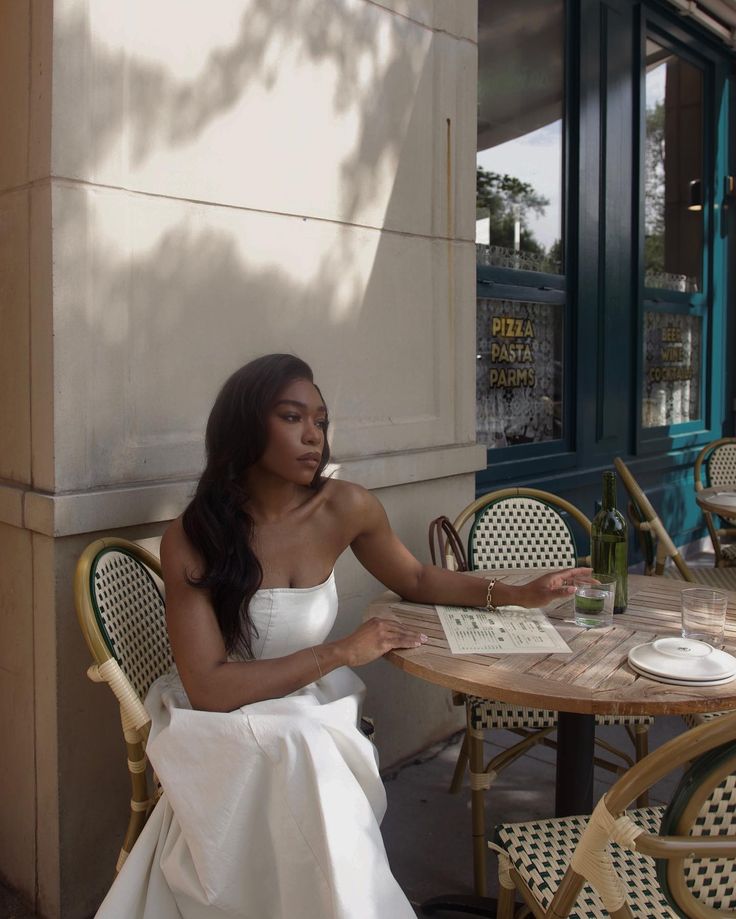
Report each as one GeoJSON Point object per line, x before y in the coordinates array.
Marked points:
{"type": "Point", "coordinates": [489, 714]}
{"type": "Point", "coordinates": [653, 863]}
{"type": "Point", "coordinates": [540, 853]}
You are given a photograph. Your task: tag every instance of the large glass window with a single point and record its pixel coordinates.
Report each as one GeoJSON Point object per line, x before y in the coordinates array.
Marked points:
{"type": "Point", "coordinates": [519, 372]}
{"type": "Point", "coordinates": [673, 180]}
{"type": "Point", "coordinates": [674, 189]}
{"type": "Point", "coordinates": [520, 219]}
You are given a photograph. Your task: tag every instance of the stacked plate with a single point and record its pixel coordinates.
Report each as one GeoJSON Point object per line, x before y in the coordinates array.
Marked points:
{"type": "Point", "coordinates": [683, 662]}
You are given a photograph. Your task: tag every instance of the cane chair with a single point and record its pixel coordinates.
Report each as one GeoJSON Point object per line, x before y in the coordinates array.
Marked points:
{"type": "Point", "coordinates": [718, 461]}
{"type": "Point", "coordinates": [653, 863]}
{"type": "Point", "coordinates": [656, 543]}
{"type": "Point", "coordinates": [514, 528]}
{"type": "Point", "coordinates": [121, 613]}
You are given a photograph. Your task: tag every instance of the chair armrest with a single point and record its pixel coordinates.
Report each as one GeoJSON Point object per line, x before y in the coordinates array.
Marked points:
{"type": "Point", "coordinates": [667, 758]}
{"type": "Point", "coordinates": [686, 846]}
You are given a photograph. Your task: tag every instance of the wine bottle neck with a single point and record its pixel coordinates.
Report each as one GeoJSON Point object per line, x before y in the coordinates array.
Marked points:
{"type": "Point", "coordinates": [609, 491]}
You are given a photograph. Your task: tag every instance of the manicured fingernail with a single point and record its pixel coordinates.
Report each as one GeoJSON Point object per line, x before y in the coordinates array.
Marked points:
{"type": "Point", "coordinates": [423, 637]}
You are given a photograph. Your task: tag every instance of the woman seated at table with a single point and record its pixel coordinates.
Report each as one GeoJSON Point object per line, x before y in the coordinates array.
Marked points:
{"type": "Point", "coordinates": [272, 799]}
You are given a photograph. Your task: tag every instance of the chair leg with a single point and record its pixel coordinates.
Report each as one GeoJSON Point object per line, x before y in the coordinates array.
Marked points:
{"type": "Point", "coordinates": [462, 761]}
{"type": "Point", "coordinates": [641, 745]}
{"type": "Point", "coordinates": [506, 902]}
{"type": "Point", "coordinates": [478, 783]}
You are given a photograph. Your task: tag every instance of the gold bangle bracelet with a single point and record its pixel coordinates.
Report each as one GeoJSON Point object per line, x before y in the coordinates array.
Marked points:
{"type": "Point", "coordinates": [489, 596]}
{"type": "Point", "coordinates": [316, 660]}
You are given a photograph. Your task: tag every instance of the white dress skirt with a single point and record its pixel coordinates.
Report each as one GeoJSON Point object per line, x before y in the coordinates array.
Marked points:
{"type": "Point", "coordinates": [271, 811]}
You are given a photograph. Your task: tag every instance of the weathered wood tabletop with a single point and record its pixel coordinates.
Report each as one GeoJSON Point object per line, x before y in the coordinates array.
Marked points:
{"type": "Point", "coordinates": [594, 679]}
{"type": "Point", "coordinates": [720, 499]}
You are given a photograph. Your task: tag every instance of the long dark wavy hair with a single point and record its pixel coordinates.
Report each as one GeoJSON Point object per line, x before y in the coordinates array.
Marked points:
{"type": "Point", "coordinates": [216, 522]}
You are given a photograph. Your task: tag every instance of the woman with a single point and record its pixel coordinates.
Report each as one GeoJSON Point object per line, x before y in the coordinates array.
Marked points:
{"type": "Point", "coordinates": [272, 796]}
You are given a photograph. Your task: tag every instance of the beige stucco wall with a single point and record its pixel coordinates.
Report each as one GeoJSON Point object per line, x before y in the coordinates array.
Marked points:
{"type": "Point", "coordinates": [184, 186]}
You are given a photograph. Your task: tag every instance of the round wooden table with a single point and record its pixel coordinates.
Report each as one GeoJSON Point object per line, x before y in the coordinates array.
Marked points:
{"type": "Point", "coordinates": [720, 499]}
{"type": "Point", "coordinates": [594, 679]}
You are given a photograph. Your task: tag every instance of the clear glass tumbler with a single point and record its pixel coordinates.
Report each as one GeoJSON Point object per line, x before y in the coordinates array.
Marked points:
{"type": "Point", "coordinates": [704, 614]}
{"type": "Point", "coordinates": [594, 595]}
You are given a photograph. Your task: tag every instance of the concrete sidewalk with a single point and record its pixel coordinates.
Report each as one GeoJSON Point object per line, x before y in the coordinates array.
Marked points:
{"type": "Point", "coordinates": [427, 830]}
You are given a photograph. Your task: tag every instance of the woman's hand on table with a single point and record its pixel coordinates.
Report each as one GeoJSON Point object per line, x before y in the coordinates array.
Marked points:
{"type": "Point", "coordinates": [375, 638]}
{"type": "Point", "coordinates": [549, 587]}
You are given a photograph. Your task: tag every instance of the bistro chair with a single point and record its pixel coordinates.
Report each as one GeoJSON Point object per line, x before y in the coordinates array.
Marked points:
{"type": "Point", "coordinates": [513, 528]}
{"type": "Point", "coordinates": [654, 862]}
{"type": "Point", "coordinates": [120, 609]}
{"type": "Point", "coordinates": [717, 463]}
{"type": "Point", "coordinates": [656, 543]}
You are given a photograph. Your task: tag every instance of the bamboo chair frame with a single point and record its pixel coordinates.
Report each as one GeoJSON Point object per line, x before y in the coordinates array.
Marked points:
{"type": "Point", "coordinates": [446, 549]}
{"type": "Point", "coordinates": [715, 532]}
{"type": "Point", "coordinates": [592, 860]}
{"type": "Point", "coordinates": [136, 723]}
{"type": "Point", "coordinates": [656, 542]}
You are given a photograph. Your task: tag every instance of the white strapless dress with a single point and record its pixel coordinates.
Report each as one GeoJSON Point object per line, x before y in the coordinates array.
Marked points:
{"type": "Point", "coordinates": [271, 811]}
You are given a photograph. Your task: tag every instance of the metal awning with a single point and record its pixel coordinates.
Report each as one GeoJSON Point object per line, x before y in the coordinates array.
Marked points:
{"type": "Point", "coordinates": [718, 16]}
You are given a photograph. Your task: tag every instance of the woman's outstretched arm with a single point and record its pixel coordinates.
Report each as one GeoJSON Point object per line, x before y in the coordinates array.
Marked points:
{"type": "Point", "coordinates": [212, 682]}
{"type": "Point", "coordinates": [382, 553]}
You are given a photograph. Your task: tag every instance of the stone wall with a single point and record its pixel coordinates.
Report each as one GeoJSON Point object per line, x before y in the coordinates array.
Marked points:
{"type": "Point", "coordinates": [212, 182]}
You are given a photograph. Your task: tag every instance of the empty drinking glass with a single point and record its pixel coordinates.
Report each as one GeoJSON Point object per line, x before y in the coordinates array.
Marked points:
{"type": "Point", "coordinates": [704, 614]}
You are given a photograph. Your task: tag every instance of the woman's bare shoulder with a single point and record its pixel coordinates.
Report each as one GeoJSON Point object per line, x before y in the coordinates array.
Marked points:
{"type": "Point", "coordinates": [346, 495]}
{"type": "Point", "coordinates": [350, 502]}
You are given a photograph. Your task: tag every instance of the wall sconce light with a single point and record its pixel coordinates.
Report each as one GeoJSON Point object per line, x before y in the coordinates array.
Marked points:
{"type": "Point", "coordinates": [696, 196]}
{"type": "Point", "coordinates": [729, 187]}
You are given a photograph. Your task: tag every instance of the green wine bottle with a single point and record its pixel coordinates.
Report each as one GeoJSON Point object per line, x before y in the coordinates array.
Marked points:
{"type": "Point", "coordinates": [609, 542]}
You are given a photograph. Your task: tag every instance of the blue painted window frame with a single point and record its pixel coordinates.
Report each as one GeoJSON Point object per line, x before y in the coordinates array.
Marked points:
{"type": "Point", "coordinates": [707, 303]}
{"type": "Point", "coordinates": [669, 446]}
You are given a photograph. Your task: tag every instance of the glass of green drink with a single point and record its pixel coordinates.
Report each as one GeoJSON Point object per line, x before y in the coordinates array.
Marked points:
{"type": "Point", "coordinates": [594, 595]}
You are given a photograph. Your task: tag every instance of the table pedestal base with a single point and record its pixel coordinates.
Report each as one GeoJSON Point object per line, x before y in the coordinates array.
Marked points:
{"type": "Point", "coordinates": [575, 749]}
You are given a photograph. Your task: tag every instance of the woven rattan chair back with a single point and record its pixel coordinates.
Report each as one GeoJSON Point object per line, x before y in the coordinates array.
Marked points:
{"type": "Point", "coordinates": [720, 462]}
{"type": "Point", "coordinates": [522, 528]}
{"type": "Point", "coordinates": [716, 462]}
{"type": "Point", "coordinates": [704, 804]}
{"type": "Point", "coordinates": [130, 614]}
{"type": "Point", "coordinates": [120, 610]}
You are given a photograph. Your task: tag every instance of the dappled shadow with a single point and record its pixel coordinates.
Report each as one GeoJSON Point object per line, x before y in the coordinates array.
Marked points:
{"type": "Point", "coordinates": [137, 107]}
{"type": "Point", "coordinates": [159, 299]}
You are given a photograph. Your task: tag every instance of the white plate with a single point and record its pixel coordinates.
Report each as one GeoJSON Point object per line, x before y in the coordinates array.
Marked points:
{"type": "Point", "coordinates": [683, 659]}
{"type": "Point", "coordinates": [673, 681]}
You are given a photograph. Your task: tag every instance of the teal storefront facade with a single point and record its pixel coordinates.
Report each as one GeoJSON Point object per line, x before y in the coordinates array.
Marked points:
{"type": "Point", "coordinates": [605, 225]}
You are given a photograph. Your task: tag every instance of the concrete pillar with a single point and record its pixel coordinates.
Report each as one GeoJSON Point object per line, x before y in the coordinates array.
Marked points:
{"type": "Point", "coordinates": [212, 182]}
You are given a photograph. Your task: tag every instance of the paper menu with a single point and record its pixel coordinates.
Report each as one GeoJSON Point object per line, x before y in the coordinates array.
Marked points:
{"type": "Point", "coordinates": [508, 630]}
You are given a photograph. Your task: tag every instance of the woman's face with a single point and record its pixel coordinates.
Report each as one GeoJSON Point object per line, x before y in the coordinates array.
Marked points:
{"type": "Point", "coordinates": [296, 427]}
